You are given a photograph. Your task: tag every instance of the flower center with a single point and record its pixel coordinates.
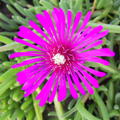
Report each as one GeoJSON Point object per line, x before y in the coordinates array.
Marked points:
{"type": "Point", "coordinates": [59, 59]}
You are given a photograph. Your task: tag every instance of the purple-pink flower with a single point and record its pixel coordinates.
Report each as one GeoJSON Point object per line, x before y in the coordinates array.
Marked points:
{"type": "Point", "coordinates": [61, 50]}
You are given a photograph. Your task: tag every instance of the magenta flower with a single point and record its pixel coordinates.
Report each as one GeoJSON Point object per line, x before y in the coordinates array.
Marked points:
{"type": "Point", "coordinates": [61, 51]}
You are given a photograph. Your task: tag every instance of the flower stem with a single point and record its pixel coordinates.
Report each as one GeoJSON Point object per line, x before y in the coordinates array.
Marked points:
{"type": "Point", "coordinates": [38, 109]}
{"type": "Point", "coordinates": [59, 109]}
{"type": "Point", "coordinates": [94, 6]}
{"type": "Point", "coordinates": [85, 98]}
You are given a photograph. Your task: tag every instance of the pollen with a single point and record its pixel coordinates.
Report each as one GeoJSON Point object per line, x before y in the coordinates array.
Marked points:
{"type": "Point", "coordinates": [59, 59]}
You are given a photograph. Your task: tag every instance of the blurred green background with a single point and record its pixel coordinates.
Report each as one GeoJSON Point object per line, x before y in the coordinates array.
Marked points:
{"type": "Point", "coordinates": [103, 105]}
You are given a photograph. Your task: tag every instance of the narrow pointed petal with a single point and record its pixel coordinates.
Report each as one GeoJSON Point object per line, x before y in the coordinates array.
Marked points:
{"type": "Point", "coordinates": [32, 80]}
{"type": "Point", "coordinates": [38, 29]}
{"type": "Point", "coordinates": [85, 82]}
{"type": "Point", "coordinates": [47, 87]}
{"type": "Point", "coordinates": [22, 79]}
{"type": "Point", "coordinates": [77, 83]}
{"type": "Point", "coordinates": [76, 21]}
{"type": "Point", "coordinates": [93, 39]}
{"type": "Point", "coordinates": [58, 22]}
{"type": "Point", "coordinates": [69, 22]}
{"type": "Point", "coordinates": [33, 77]}
{"type": "Point", "coordinates": [23, 75]}
{"type": "Point", "coordinates": [54, 91]}
{"type": "Point", "coordinates": [27, 44]}
{"type": "Point", "coordinates": [99, 52]}
{"type": "Point", "coordinates": [90, 35]}
{"type": "Point", "coordinates": [98, 60]}
{"type": "Point", "coordinates": [91, 79]}
{"type": "Point", "coordinates": [95, 44]}
{"type": "Point", "coordinates": [51, 24]}
{"type": "Point", "coordinates": [72, 89]}
{"type": "Point", "coordinates": [62, 16]}
{"type": "Point", "coordinates": [44, 22]}
{"type": "Point", "coordinates": [20, 54]}
{"type": "Point", "coordinates": [44, 93]}
{"type": "Point", "coordinates": [79, 36]}
{"type": "Point", "coordinates": [85, 21]}
{"type": "Point", "coordinates": [30, 35]}
{"type": "Point", "coordinates": [62, 89]}
{"type": "Point", "coordinates": [39, 81]}
{"type": "Point", "coordinates": [93, 71]}
{"type": "Point", "coordinates": [27, 62]}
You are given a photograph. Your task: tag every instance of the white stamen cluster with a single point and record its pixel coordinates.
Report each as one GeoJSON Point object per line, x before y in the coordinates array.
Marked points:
{"type": "Point", "coordinates": [59, 59]}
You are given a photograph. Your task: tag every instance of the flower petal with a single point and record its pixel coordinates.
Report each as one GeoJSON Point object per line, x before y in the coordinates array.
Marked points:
{"type": "Point", "coordinates": [89, 36]}
{"type": "Point", "coordinates": [44, 23]}
{"type": "Point", "coordinates": [92, 39]}
{"type": "Point", "coordinates": [91, 79]}
{"type": "Point", "coordinates": [98, 60]}
{"type": "Point", "coordinates": [58, 23]}
{"type": "Point", "coordinates": [94, 44]}
{"type": "Point", "coordinates": [27, 44]}
{"type": "Point", "coordinates": [27, 62]}
{"type": "Point", "coordinates": [30, 35]}
{"type": "Point", "coordinates": [22, 75]}
{"type": "Point", "coordinates": [62, 89]}
{"type": "Point", "coordinates": [33, 77]}
{"type": "Point", "coordinates": [40, 78]}
{"type": "Point", "coordinates": [38, 29]}
{"type": "Point", "coordinates": [93, 71]}
{"type": "Point", "coordinates": [44, 93]}
{"type": "Point", "coordinates": [99, 52]}
{"type": "Point", "coordinates": [62, 23]}
{"type": "Point", "coordinates": [71, 87]}
{"type": "Point", "coordinates": [85, 21]}
{"type": "Point", "coordinates": [69, 22]}
{"type": "Point", "coordinates": [79, 36]}
{"type": "Point", "coordinates": [77, 83]}
{"type": "Point", "coordinates": [51, 24]}
{"type": "Point", "coordinates": [20, 54]}
{"type": "Point", "coordinates": [89, 88]}
{"type": "Point", "coordinates": [76, 21]}
{"type": "Point", "coordinates": [52, 96]}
